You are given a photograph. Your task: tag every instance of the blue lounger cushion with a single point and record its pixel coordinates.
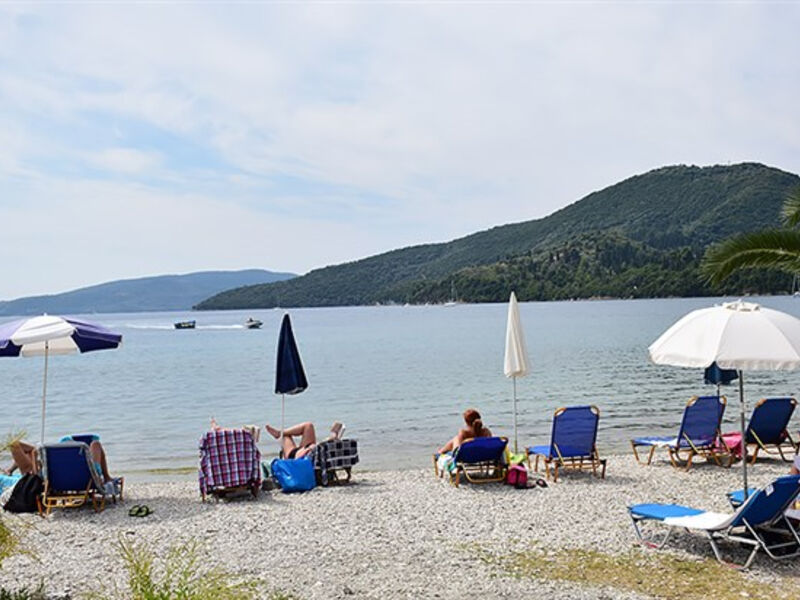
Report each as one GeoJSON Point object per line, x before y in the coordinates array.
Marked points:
{"type": "Point", "coordinates": [566, 451]}
{"type": "Point", "coordinates": [660, 512]}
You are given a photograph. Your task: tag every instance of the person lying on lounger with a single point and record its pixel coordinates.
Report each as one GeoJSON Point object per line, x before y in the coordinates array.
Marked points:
{"type": "Point", "coordinates": [474, 429]}
{"type": "Point", "coordinates": [25, 458]}
{"type": "Point", "coordinates": [308, 438]}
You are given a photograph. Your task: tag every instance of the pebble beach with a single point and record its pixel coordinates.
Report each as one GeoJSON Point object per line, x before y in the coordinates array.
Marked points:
{"type": "Point", "coordinates": [388, 534]}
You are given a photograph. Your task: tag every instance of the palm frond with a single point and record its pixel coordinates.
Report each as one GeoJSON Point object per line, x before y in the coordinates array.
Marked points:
{"type": "Point", "coordinates": [791, 209]}
{"type": "Point", "coordinates": [775, 249]}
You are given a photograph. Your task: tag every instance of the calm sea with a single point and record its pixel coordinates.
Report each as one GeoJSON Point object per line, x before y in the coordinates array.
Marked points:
{"type": "Point", "coordinates": [398, 377]}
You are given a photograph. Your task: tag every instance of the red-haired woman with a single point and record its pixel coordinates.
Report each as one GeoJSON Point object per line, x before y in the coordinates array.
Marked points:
{"type": "Point", "coordinates": [474, 429]}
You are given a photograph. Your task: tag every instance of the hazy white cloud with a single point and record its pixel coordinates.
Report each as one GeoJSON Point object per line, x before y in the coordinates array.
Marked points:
{"type": "Point", "coordinates": [293, 136]}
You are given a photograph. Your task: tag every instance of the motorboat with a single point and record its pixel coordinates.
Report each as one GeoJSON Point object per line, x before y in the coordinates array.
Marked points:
{"type": "Point", "coordinates": [185, 324]}
{"type": "Point", "coordinates": [252, 323]}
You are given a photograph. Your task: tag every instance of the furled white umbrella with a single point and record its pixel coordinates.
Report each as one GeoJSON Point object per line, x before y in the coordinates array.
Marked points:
{"type": "Point", "coordinates": [516, 359]}
{"type": "Point", "coordinates": [47, 335]}
{"type": "Point", "coordinates": [737, 335]}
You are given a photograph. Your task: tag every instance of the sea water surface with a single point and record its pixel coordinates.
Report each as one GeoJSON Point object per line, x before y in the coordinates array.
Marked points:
{"type": "Point", "coordinates": [398, 377]}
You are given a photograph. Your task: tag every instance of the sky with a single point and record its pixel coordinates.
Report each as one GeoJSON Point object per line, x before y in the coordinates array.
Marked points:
{"type": "Point", "coordinates": [148, 138]}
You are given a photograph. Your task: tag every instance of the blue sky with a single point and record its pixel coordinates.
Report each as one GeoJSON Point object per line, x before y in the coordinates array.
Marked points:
{"type": "Point", "coordinates": [150, 138]}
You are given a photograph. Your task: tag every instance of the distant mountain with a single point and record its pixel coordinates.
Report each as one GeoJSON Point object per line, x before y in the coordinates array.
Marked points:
{"type": "Point", "coordinates": [163, 292]}
{"type": "Point", "coordinates": [651, 229]}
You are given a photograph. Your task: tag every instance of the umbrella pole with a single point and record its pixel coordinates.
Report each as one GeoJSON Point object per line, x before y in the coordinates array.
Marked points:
{"type": "Point", "coordinates": [283, 404]}
{"type": "Point", "coordinates": [514, 379]}
{"type": "Point", "coordinates": [44, 388]}
{"type": "Point", "coordinates": [741, 424]}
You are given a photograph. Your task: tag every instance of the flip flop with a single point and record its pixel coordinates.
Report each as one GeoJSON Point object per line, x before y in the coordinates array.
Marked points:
{"type": "Point", "coordinates": [541, 483]}
{"type": "Point", "coordinates": [134, 511]}
{"type": "Point", "coordinates": [144, 510]}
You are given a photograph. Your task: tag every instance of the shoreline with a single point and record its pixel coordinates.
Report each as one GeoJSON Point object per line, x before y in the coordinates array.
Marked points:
{"type": "Point", "coordinates": [389, 534]}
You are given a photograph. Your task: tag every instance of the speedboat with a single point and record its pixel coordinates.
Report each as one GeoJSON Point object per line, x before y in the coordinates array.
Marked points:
{"type": "Point", "coordinates": [185, 324]}
{"type": "Point", "coordinates": [252, 323]}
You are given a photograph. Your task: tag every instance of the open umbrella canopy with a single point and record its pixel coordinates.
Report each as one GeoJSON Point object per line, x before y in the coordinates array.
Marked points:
{"type": "Point", "coordinates": [54, 335]}
{"type": "Point", "coordinates": [736, 335]}
{"type": "Point", "coordinates": [46, 335]}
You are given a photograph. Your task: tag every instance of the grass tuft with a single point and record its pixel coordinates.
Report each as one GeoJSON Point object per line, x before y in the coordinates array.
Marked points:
{"type": "Point", "coordinates": [179, 576]}
{"type": "Point", "coordinates": [24, 593]}
{"type": "Point", "coordinates": [11, 438]}
{"type": "Point", "coordinates": [9, 541]}
{"type": "Point", "coordinates": [657, 574]}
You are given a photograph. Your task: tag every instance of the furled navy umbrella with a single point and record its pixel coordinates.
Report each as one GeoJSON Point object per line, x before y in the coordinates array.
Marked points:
{"type": "Point", "coordinates": [718, 376]}
{"type": "Point", "coordinates": [290, 378]}
{"type": "Point", "coordinates": [46, 335]}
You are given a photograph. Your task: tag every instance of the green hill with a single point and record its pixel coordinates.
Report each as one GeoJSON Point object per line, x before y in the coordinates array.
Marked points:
{"type": "Point", "coordinates": [163, 292]}
{"type": "Point", "coordinates": [642, 236]}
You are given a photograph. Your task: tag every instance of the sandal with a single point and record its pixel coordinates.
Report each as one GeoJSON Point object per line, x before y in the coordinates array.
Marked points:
{"type": "Point", "coordinates": [139, 510]}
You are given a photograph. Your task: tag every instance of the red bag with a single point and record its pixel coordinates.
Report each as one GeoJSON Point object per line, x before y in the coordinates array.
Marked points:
{"type": "Point", "coordinates": [517, 476]}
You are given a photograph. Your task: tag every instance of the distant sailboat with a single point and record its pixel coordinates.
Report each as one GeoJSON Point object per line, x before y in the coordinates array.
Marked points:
{"type": "Point", "coordinates": [452, 301]}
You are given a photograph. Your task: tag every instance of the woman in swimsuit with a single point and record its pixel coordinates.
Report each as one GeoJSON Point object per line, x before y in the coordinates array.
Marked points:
{"type": "Point", "coordinates": [474, 429]}
{"type": "Point", "coordinates": [308, 438]}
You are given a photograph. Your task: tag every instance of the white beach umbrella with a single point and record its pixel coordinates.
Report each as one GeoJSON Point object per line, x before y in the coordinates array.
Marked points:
{"type": "Point", "coordinates": [737, 335]}
{"type": "Point", "coordinates": [47, 335]}
{"type": "Point", "coordinates": [516, 358]}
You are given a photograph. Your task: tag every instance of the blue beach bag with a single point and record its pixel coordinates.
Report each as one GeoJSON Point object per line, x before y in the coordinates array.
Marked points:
{"type": "Point", "coordinates": [293, 475]}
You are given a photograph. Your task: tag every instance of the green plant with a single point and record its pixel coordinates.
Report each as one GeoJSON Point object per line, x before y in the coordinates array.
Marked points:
{"type": "Point", "coordinates": [36, 593]}
{"type": "Point", "coordinates": [9, 542]}
{"type": "Point", "coordinates": [770, 248]}
{"type": "Point", "coordinates": [11, 438]}
{"type": "Point", "coordinates": [179, 576]}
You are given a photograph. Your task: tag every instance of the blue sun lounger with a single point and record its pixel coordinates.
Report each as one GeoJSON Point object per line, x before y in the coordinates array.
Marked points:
{"type": "Point", "coordinates": [480, 460]}
{"type": "Point", "coordinates": [768, 427]}
{"type": "Point", "coordinates": [71, 479]}
{"type": "Point", "coordinates": [759, 522]}
{"type": "Point", "coordinates": [697, 435]}
{"type": "Point", "coordinates": [573, 442]}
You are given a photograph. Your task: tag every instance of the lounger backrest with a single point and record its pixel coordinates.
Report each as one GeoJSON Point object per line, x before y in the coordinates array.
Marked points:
{"type": "Point", "coordinates": [574, 431]}
{"type": "Point", "coordinates": [769, 420]}
{"type": "Point", "coordinates": [481, 450]}
{"type": "Point", "coordinates": [67, 467]}
{"type": "Point", "coordinates": [769, 502]}
{"type": "Point", "coordinates": [701, 420]}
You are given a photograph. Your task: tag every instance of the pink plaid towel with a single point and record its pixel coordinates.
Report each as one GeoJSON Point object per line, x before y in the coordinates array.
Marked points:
{"type": "Point", "coordinates": [228, 458]}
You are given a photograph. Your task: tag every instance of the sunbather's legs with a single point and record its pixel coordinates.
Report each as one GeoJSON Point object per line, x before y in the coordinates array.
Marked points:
{"type": "Point", "coordinates": [24, 457]}
{"type": "Point", "coordinates": [99, 457]}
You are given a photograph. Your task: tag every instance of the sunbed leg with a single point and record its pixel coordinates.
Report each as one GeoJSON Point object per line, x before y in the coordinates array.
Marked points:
{"type": "Point", "coordinates": [689, 461]}
{"type": "Point", "coordinates": [635, 453]}
{"type": "Point", "coordinates": [755, 454]}
{"type": "Point", "coordinates": [555, 472]}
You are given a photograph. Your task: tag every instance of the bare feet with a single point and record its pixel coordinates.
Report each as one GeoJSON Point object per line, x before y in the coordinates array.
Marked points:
{"type": "Point", "coordinates": [272, 431]}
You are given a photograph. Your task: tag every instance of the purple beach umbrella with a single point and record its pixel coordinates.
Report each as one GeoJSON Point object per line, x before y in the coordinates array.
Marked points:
{"type": "Point", "coordinates": [46, 335]}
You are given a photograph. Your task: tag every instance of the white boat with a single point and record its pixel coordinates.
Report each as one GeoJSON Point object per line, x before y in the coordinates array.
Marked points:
{"type": "Point", "coordinates": [252, 323]}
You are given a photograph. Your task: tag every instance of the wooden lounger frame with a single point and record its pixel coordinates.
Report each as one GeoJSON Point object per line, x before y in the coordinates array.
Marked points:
{"type": "Point", "coordinates": [481, 472]}
{"type": "Point", "coordinates": [50, 500]}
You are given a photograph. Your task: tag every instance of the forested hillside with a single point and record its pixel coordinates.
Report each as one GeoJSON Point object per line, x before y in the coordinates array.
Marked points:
{"type": "Point", "coordinates": [641, 237]}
